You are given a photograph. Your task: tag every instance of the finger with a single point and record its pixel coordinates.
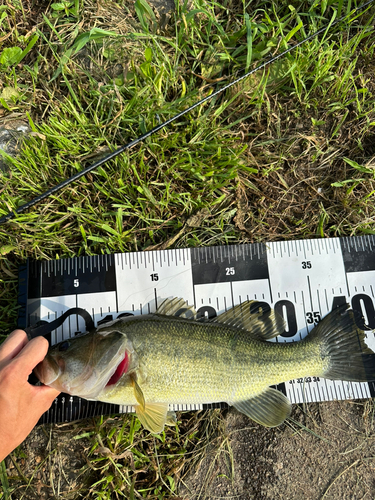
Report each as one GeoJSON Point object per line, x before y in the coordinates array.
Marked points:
{"type": "Point", "coordinates": [33, 353]}
{"type": "Point", "coordinates": [45, 395]}
{"type": "Point", "coordinates": [12, 345]}
{"type": "Point", "coordinates": [45, 392]}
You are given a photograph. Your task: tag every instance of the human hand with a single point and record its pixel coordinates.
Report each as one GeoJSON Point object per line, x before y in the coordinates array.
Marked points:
{"type": "Point", "coordinates": [21, 404]}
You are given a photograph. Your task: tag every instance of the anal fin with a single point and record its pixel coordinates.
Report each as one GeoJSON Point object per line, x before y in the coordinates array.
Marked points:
{"type": "Point", "coordinates": [270, 408]}
{"type": "Point", "coordinates": [153, 416]}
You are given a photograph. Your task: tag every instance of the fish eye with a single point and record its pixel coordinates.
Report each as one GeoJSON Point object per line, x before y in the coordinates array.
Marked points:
{"type": "Point", "coordinates": [64, 346]}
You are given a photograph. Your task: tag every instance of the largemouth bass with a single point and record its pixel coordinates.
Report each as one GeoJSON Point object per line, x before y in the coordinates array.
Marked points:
{"type": "Point", "coordinates": [154, 360]}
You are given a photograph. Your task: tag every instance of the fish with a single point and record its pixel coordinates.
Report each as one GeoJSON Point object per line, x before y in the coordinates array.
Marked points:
{"type": "Point", "coordinates": [171, 357]}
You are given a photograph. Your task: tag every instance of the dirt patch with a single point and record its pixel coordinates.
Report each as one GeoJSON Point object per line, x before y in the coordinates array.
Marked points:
{"type": "Point", "coordinates": [50, 464]}
{"type": "Point", "coordinates": [326, 453]}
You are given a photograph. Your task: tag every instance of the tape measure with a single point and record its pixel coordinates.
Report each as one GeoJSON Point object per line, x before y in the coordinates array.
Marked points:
{"type": "Point", "coordinates": [302, 280]}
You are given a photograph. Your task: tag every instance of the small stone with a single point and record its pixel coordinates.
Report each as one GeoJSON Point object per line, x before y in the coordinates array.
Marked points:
{"type": "Point", "coordinates": [12, 132]}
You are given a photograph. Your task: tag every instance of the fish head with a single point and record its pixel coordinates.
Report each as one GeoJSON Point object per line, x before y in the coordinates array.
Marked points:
{"type": "Point", "coordinates": [86, 364]}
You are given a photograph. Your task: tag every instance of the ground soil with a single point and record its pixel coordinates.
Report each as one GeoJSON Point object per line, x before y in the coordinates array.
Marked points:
{"type": "Point", "coordinates": [332, 456]}
{"type": "Point", "coordinates": [50, 464]}
{"type": "Point", "coordinates": [326, 451]}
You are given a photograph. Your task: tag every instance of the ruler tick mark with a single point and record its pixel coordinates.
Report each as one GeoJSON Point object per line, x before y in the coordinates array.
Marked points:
{"type": "Point", "coordinates": [310, 294]}
{"type": "Point", "coordinates": [304, 310]}
{"type": "Point", "coordinates": [319, 304]}
{"type": "Point", "coordinates": [370, 239]}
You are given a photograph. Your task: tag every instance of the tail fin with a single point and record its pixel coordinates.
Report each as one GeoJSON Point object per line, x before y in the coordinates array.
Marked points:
{"type": "Point", "coordinates": [343, 348]}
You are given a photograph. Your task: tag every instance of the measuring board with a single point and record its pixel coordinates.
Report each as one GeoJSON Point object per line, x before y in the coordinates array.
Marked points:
{"type": "Point", "coordinates": [302, 280]}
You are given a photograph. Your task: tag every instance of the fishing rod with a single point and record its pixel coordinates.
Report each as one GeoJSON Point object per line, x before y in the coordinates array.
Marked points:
{"type": "Point", "coordinates": [141, 138]}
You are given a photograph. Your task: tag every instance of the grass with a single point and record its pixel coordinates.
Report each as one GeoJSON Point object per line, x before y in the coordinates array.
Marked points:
{"type": "Point", "coordinates": [288, 153]}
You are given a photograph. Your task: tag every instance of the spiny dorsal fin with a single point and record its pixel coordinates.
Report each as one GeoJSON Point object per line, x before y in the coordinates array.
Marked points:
{"type": "Point", "coordinates": [153, 416]}
{"type": "Point", "coordinates": [176, 307]}
{"type": "Point", "coordinates": [270, 408]}
{"type": "Point", "coordinates": [255, 317]}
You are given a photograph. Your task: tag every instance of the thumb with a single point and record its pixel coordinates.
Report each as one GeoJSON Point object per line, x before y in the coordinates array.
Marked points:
{"type": "Point", "coordinates": [45, 395]}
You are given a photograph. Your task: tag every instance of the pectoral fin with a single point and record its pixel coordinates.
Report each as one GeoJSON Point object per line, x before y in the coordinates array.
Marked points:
{"type": "Point", "coordinates": [138, 392]}
{"type": "Point", "coordinates": [153, 416]}
{"type": "Point", "coordinates": [270, 408]}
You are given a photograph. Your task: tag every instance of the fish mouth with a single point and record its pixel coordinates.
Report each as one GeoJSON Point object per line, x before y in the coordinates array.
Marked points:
{"type": "Point", "coordinates": [121, 369]}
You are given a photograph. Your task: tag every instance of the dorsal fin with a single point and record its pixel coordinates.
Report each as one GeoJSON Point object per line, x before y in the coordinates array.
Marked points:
{"type": "Point", "coordinates": [255, 317]}
{"type": "Point", "coordinates": [176, 307]}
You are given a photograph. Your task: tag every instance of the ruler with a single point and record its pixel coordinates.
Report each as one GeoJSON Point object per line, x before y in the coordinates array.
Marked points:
{"type": "Point", "coordinates": [302, 280]}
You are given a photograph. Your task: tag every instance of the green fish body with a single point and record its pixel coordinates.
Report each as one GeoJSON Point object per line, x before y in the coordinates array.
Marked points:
{"type": "Point", "coordinates": [166, 358]}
